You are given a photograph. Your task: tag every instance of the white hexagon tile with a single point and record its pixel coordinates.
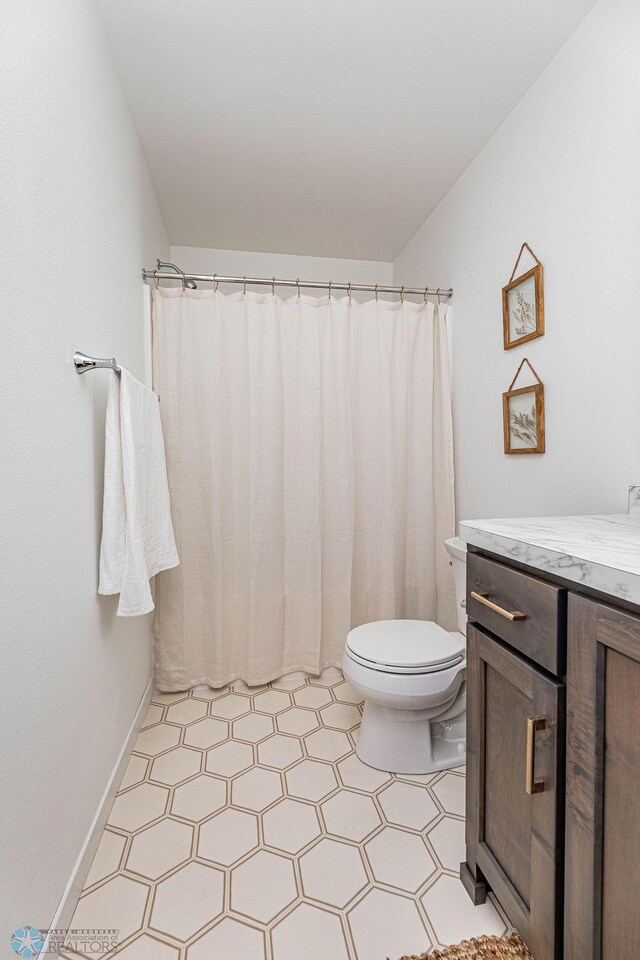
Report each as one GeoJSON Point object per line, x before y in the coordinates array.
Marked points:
{"type": "Point", "coordinates": [246, 828]}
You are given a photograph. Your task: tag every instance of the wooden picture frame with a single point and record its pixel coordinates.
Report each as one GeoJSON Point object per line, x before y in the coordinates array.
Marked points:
{"type": "Point", "coordinates": [523, 305]}
{"type": "Point", "coordinates": [523, 417]}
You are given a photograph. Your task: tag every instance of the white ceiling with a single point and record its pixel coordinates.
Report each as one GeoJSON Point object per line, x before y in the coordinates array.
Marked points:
{"type": "Point", "coordinates": [321, 127]}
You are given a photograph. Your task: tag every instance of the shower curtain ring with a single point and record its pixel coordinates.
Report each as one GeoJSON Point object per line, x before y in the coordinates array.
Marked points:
{"type": "Point", "coordinates": [376, 291]}
{"type": "Point", "coordinates": [438, 295]}
{"type": "Point", "coordinates": [426, 294]}
{"type": "Point", "coordinates": [184, 282]}
{"type": "Point", "coordinates": [330, 284]}
{"type": "Point", "coordinates": [298, 286]}
{"type": "Point", "coordinates": [349, 289]}
{"type": "Point", "coordinates": [244, 286]}
{"type": "Point", "coordinates": [402, 294]}
{"type": "Point", "coordinates": [155, 277]}
{"type": "Point", "coordinates": [215, 283]}
{"type": "Point", "coordinates": [273, 286]}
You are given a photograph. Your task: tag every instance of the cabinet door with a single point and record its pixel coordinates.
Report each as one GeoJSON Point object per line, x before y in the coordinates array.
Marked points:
{"type": "Point", "coordinates": [602, 900]}
{"type": "Point", "coordinates": [515, 795]}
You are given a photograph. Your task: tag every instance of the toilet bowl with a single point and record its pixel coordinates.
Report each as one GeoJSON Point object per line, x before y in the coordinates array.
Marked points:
{"type": "Point", "coordinates": [411, 675]}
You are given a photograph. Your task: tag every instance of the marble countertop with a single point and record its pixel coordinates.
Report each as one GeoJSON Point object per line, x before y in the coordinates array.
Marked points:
{"type": "Point", "coordinates": [601, 552]}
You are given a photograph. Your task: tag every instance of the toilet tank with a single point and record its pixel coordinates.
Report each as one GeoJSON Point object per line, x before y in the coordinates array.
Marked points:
{"type": "Point", "coordinates": [457, 550]}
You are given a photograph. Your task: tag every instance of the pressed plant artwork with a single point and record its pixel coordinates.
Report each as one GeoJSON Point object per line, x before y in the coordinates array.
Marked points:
{"type": "Point", "coordinates": [523, 416]}
{"type": "Point", "coordinates": [523, 305]}
{"type": "Point", "coordinates": [524, 319]}
{"type": "Point", "coordinates": [522, 422]}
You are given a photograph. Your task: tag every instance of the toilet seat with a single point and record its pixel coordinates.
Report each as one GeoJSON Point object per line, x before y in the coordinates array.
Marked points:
{"type": "Point", "coordinates": [405, 647]}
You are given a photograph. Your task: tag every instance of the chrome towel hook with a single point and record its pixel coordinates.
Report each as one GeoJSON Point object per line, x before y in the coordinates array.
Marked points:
{"type": "Point", "coordinates": [83, 363]}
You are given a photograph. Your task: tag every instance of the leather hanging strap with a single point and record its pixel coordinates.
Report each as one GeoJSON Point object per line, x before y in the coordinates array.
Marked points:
{"type": "Point", "coordinates": [522, 248]}
{"type": "Point", "coordinates": [522, 362]}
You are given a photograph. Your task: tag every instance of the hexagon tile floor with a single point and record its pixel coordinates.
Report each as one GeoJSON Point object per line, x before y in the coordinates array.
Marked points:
{"type": "Point", "coordinates": [246, 828]}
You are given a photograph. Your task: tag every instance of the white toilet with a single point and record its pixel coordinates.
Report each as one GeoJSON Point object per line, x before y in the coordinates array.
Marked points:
{"type": "Point", "coordinates": [411, 674]}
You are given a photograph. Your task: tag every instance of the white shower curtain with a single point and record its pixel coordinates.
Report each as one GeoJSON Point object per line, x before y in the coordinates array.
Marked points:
{"type": "Point", "coordinates": [310, 463]}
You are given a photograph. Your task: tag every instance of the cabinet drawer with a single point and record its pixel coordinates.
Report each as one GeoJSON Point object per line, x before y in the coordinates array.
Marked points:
{"type": "Point", "coordinates": [527, 613]}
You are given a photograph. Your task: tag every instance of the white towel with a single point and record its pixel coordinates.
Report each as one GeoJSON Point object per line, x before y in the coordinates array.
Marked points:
{"type": "Point", "coordinates": [137, 535]}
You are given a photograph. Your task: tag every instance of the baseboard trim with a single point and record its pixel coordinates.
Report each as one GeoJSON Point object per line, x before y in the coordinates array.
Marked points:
{"type": "Point", "coordinates": [68, 901]}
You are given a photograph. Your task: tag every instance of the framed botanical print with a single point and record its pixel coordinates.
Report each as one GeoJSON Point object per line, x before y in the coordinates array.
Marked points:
{"type": "Point", "coordinates": [523, 305]}
{"type": "Point", "coordinates": [523, 416]}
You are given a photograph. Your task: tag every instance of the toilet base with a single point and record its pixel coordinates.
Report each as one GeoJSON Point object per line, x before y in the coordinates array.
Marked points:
{"type": "Point", "coordinates": [404, 741]}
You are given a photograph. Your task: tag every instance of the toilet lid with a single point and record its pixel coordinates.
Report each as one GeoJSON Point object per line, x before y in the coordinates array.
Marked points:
{"type": "Point", "coordinates": [406, 645]}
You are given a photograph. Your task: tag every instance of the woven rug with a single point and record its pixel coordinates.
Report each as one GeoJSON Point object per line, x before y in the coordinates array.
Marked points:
{"type": "Point", "coordinates": [484, 948]}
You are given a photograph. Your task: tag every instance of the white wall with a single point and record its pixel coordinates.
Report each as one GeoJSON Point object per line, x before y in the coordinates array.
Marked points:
{"type": "Point", "coordinates": [563, 173]}
{"type": "Point", "coordinates": [242, 263]}
{"type": "Point", "coordinates": [78, 218]}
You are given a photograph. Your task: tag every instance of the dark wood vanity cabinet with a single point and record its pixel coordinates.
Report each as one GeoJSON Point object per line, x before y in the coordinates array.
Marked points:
{"type": "Point", "coordinates": [516, 772]}
{"type": "Point", "coordinates": [553, 762]}
{"type": "Point", "coordinates": [602, 891]}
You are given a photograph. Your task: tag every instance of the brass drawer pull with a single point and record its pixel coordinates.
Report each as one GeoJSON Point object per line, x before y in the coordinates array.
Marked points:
{"type": "Point", "coordinates": [533, 724]}
{"type": "Point", "coordinates": [507, 614]}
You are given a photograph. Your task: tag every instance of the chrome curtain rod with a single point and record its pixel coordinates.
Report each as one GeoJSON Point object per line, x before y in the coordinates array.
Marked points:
{"type": "Point", "coordinates": [191, 279]}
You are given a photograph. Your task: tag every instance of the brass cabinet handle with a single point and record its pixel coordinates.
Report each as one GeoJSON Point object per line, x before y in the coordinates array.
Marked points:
{"type": "Point", "coordinates": [533, 723]}
{"type": "Point", "coordinates": [507, 614]}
